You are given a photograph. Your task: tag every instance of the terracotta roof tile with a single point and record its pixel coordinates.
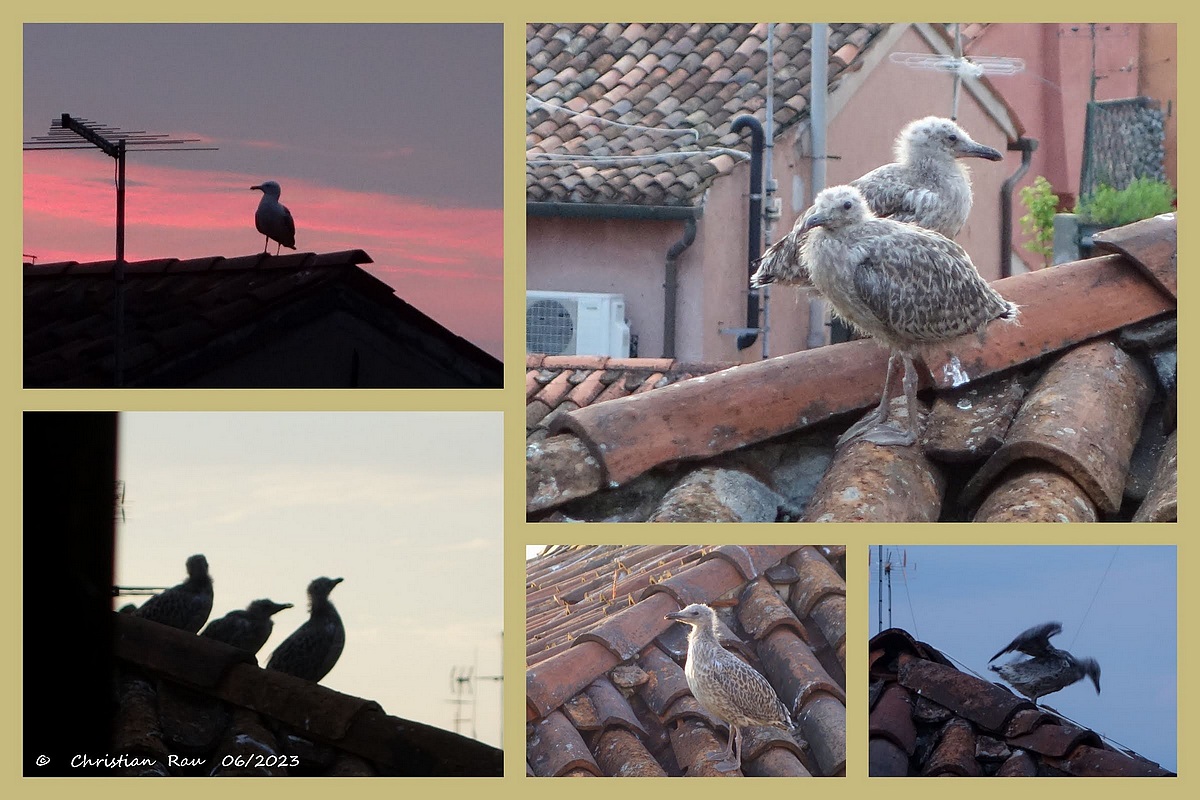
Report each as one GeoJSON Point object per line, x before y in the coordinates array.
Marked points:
{"type": "Point", "coordinates": [1095, 350]}
{"type": "Point", "coordinates": [629, 63]}
{"type": "Point", "coordinates": [619, 682]}
{"type": "Point", "coordinates": [976, 728]}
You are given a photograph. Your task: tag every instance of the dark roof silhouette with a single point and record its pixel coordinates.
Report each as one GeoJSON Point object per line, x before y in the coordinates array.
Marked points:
{"type": "Point", "coordinates": [305, 320]}
{"type": "Point", "coordinates": [250, 715]}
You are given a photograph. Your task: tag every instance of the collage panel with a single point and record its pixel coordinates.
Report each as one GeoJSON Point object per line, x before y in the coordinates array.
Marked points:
{"type": "Point", "coordinates": [687, 660]}
{"type": "Point", "coordinates": [263, 594]}
{"type": "Point", "coordinates": [986, 661]}
{"type": "Point", "coordinates": [160, 188]}
{"type": "Point", "coordinates": [945, 333]}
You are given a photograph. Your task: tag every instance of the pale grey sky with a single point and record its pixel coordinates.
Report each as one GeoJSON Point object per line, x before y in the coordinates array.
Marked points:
{"type": "Point", "coordinates": [405, 506]}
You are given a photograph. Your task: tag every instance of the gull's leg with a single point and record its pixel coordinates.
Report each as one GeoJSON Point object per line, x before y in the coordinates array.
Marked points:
{"type": "Point", "coordinates": [893, 432]}
{"type": "Point", "coordinates": [878, 415]}
{"type": "Point", "coordinates": [727, 761]}
{"type": "Point", "coordinates": [266, 244]}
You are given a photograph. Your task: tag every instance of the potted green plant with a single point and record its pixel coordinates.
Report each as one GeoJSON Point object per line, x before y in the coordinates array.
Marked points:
{"type": "Point", "coordinates": [1111, 208]}
{"type": "Point", "coordinates": [1042, 202]}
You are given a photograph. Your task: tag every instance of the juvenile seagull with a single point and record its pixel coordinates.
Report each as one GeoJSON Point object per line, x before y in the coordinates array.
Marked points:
{"type": "Point", "coordinates": [1047, 669]}
{"type": "Point", "coordinates": [273, 219]}
{"type": "Point", "coordinates": [925, 185]}
{"type": "Point", "coordinates": [727, 687]}
{"type": "Point", "coordinates": [901, 284]}
{"type": "Point", "coordinates": [313, 648]}
{"type": "Point", "coordinates": [187, 605]}
{"type": "Point", "coordinates": [249, 629]}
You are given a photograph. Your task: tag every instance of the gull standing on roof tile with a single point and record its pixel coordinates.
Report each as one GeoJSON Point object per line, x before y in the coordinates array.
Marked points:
{"type": "Point", "coordinates": [273, 219]}
{"type": "Point", "coordinates": [187, 605]}
{"type": "Point", "coordinates": [727, 687]}
{"type": "Point", "coordinates": [313, 648]}
{"type": "Point", "coordinates": [926, 185]}
{"type": "Point", "coordinates": [901, 284]}
{"type": "Point", "coordinates": [248, 629]}
{"type": "Point", "coordinates": [1047, 669]}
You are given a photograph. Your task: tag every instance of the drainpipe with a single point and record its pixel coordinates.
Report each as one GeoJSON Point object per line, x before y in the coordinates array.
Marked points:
{"type": "Point", "coordinates": [1026, 146]}
{"type": "Point", "coordinates": [819, 85]}
{"type": "Point", "coordinates": [671, 285]}
{"type": "Point", "coordinates": [749, 336]}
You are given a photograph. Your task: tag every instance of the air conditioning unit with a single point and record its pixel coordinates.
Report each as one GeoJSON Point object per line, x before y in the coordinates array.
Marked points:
{"type": "Point", "coordinates": [576, 323]}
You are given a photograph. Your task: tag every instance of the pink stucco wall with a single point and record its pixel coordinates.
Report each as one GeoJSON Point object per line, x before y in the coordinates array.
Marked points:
{"type": "Point", "coordinates": [1050, 97]}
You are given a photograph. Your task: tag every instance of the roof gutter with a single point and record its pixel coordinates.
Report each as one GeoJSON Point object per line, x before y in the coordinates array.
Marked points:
{"type": "Point", "coordinates": [612, 211]}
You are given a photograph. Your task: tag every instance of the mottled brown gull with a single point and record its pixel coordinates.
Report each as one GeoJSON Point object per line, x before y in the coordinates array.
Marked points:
{"type": "Point", "coordinates": [272, 218]}
{"type": "Point", "coordinates": [247, 629]}
{"type": "Point", "coordinates": [926, 185]}
{"type": "Point", "coordinates": [902, 284]}
{"type": "Point", "coordinates": [1047, 669]}
{"type": "Point", "coordinates": [313, 648]}
{"type": "Point", "coordinates": [187, 605]}
{"type": "Point", "coordinates": [727, 687]}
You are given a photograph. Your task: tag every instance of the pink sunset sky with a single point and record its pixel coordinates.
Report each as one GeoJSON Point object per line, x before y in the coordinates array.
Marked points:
{"type": "Point", "coordinates": [384, 138]}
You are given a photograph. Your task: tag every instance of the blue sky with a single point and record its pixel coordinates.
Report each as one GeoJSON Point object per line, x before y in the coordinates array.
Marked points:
{"type": "Point", "coordinates": [1117, 604]}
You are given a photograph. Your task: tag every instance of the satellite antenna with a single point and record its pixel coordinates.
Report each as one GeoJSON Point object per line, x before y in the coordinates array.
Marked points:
{"type": "Point", "coordinates": [961, 66]}
{"type": "Point", "coordinates": [65, 133]}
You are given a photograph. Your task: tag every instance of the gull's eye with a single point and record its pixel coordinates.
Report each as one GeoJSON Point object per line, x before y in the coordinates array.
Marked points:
{"type": "Point", "coordinates": [953, 138]}
{"type": "Point", "coordinates": [846, 205]}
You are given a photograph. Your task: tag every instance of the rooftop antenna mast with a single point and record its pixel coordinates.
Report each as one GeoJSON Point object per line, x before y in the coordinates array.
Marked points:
{"type": "Point", "coordinates": [464, 679]}
{"type": "Point", "coordinates": [64, 134]}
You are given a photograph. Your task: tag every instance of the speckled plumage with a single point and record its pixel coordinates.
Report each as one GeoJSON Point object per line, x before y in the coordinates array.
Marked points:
{"type": "Point", "coordinates": [901, 284]}
{"type": "Point", "coordinates": [187, 605]}
{"type": "Point", "coordinates": [247, 629]}
{"type": "Point", "coordinates": [313, 648]}
{"type": "Point", "coordinates": [926, 185]}
{"type": "Point", "coordinates": [1048, 669]}
{"type": "Point", "coordinates": [727, 687]}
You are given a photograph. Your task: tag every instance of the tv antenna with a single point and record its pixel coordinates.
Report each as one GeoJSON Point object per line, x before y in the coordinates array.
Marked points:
{"type": "Point", "coordinates": [64, 134]}
{"type": "Point", "coordinates": [960, 65]}
{"type": "Point", "coordinates": [886, 563]}
{"type": "Point", "coordinates": [463, 680]}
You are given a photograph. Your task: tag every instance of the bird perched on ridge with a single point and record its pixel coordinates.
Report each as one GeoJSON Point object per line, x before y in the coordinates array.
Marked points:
{"type": "Point", "coordinates": [925, 185]}
{"type": "Point", "coordinates": [247, 629]}
{"type": "Point", "coordinates": [902, 284]}
{"type": "Point", "coordinates": [272, 219]}
{"type": "Point", "coordinates": [1047, 669]}
{"type": "Point", "coordinates": [727, 687]}
{"type": "Point", "coordinates": [187, 605]}
{"type": "Point", "coordinates": [313, 648]}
